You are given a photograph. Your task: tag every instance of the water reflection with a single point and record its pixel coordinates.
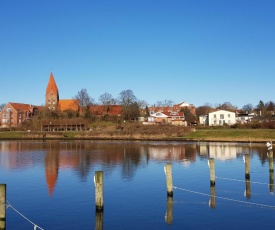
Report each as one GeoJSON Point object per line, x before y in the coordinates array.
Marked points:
{"type": "Point", "coordinates": [83, 156]}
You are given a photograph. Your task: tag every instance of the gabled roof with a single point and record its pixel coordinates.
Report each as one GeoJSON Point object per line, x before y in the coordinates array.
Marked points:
{"type": "Point", "coordinates": [20, 106]}
{"type": "Point", "coordinates": [24, 107]}
{"type": "Point", "coordinates": [52, 86]}
{"type": "Point", "coordinates": [70, 104]}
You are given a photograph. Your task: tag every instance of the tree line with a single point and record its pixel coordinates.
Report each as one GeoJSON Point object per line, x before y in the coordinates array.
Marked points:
{"type": "Point", "coordinates": [132, 107]}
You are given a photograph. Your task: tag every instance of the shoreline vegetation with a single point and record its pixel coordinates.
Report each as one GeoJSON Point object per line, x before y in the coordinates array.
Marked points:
{"type": "Point", "coordinates": [136, 131]}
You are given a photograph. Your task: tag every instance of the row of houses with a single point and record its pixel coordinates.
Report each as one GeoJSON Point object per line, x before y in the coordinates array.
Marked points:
{"type": "Point", "coordinates": [13, 114]}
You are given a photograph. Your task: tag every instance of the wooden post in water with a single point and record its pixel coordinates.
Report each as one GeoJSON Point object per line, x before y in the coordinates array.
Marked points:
{"type": "Point", "coordinates": [212, 201]}
{"type": "Point", "coordinates": [271, 171]}
{"type": "Point", "coordinates": [98, 179]}
{"type": "Point", "coordinates": [271, 182]}
{"type": "Point", "coordinates": [99, 220]}
{"type": "Point", "coordinates": [247, 189]}
{"type": "Point", "coordinates": [212, 172]}
{"type": "Point", "coordinates": [271, 164]}
{"type": "Point", "coordinates": [169, 181]}
{"type": "Point", "coordinates": [169, 212]}
{"type": "Point", "coordinates": [2, 206]}
{"type": "Point", "coordinates": [247, 166]}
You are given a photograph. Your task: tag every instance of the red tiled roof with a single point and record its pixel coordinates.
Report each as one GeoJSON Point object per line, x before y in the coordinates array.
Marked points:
{"type": "Point", "coordinates": [70, 104]}
{"type": "Point", "coordinates": [102, 109]}
{"type": "Point", "coordinates": [52, 86]}
{"type": "Point", "coordinates": [24, 107]}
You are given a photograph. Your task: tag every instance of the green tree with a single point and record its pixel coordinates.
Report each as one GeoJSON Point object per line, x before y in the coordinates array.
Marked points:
{"type": "Point", "coordinates": [261, 108]}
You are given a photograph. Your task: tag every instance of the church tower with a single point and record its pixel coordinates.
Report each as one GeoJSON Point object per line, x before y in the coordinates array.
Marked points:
{"type": "Point", "coordinates": [52, 95]}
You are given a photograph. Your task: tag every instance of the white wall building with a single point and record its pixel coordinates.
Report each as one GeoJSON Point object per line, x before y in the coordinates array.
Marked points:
{"type": "Point", "coordinates": [221, 117]}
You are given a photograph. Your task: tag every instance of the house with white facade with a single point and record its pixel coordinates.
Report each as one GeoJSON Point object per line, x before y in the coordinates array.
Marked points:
{"type": "Point", "coordinates": [173, 118]}
{"type": "Point", "coordinates": [244, 117]}
{"type": "Point", "coordinates": [219, 117]}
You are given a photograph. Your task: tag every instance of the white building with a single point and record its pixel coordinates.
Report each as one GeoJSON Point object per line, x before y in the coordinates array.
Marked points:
{"type": "Point", "coordinates": [220, 117]}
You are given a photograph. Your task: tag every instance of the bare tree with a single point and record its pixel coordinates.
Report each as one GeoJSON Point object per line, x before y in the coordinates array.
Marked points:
{"type": "Point", "coordinates": [130, 107]}
{"type": "Point", "coordinates": [142, 104]}
{"type": "Point", "coordinates": [127, 97]}
{"type": "Point", "coordinates": [270, 107]}
{"type": "Point", "coordinates": [107, 99]}
{"type": "Point", "coordinates": [248, 108]}
{"type": "Point", "coordinates": [204, 110]}
{"type": "Point", "coordinates": [227, 106]}
{"type": "Point", "coordinates": [165, 103]}
{"type": "Point", "coordinates": [84, 98]}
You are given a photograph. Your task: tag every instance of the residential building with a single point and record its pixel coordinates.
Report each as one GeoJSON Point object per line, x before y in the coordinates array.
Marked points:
{"type": "Point", "coordinates": [13, 114]}
{"type": "Point", "coordinates": [219, 117]}
{"type": "Point", "coordinates": [173, 118]}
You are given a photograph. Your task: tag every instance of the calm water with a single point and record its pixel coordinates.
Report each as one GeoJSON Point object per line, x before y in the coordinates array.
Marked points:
{"type": "Point", "coordinates": [51, 184]}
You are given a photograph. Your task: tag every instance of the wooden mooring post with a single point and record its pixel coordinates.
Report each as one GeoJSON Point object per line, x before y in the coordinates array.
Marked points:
{"type": "Point", "coordinates": [247, 166]}
{"type": "Point", "coordinates": [99, 220]}
{"type": "Point", "coordinates": [271, 163]}
{"type": "Point", "coordinates": [212, 201]}
{"type": "Point", "coordinates": [212, 172]}
{"type": "Point", "coordinates": [2, 206]}
{"type": "Point", "coordinates": [271, 182]}
{"type": "Point", "coordinates": [247, 189]}
{"type": "Point", "coordinates": [99, 184]}
{"type": "Point", "coordinates": [169, 211]}
{"type": "Point", "coordinates": [271, 171]}
{"type": "Point", "coordinates": [169, 180]}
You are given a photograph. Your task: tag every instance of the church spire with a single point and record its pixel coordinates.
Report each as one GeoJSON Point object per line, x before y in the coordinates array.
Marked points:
{"type": "Point", "coordinates": [52, 95]}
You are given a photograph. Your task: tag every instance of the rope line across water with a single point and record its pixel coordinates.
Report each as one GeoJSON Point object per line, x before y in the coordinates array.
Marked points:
{"type": "Point", "coordinates": [35, 226]}
{"type": "Point", "coordinates": [252, 182]}
{"type": "Point", "coordinates": [224, 198]}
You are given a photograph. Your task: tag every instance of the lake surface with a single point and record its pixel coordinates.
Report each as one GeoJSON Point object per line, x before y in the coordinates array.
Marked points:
{"type": "Point", "coordinates": [51, 184]}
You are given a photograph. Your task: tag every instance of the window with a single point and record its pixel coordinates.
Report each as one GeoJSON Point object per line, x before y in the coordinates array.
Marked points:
{"type": "Point", "coordinates": [221, 116]}
{"type": "Point", "coordinates": [228, 115]}
{"type": "Point", "coordinates": [215, 116]}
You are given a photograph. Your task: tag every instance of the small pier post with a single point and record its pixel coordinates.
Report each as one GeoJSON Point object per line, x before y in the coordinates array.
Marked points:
{"type": "Point", "coordinates": [169, 180]}
{"type": "Point", "coordinates": [212, 172]}
{"type": "Point", "coordinates": [169, 212]}
{"type": "Point", "coordinates": [271, 182]}
{"type": "Point", "coordinates": [2, 206]}
{"type": "Point", "coordinates": [212, 201]}
{"type": "Point", "coordinates": [99, 184]}
{"type": "Point", "coordinates": [271, 163]}
{"type": "Point", "coordinates": [271, 171]}
{"type": "Point", "coordinates": [247, 167]}
{"type": "Point", "coordinates": [99, 220]}
{"type": "Point", "coordinates": [247, 189]}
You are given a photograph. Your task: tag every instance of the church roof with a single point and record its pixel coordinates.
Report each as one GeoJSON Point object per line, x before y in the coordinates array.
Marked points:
{"type": "Point", "coordinates": [52, 86]}
{"type": "Point", "coordinates": [71, 104]}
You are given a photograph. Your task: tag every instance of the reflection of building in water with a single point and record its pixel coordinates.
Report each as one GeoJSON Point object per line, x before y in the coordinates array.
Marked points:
{"type": "Point", "coordinates": [182, 153]}
{"type": "Point", "coordinates": [51, 168]}
{"type": "Point", "coordinates": [82, 156]}
{"type": "Point", "coordinates": [222, 151]}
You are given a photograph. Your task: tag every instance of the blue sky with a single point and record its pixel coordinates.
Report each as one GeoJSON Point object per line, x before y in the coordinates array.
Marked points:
{"type": "Point", "coordinates": [199, 51]}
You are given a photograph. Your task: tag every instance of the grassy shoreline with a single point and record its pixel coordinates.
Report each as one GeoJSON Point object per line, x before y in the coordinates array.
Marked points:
{"type": "Point", "coordinates": [215, 135]}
